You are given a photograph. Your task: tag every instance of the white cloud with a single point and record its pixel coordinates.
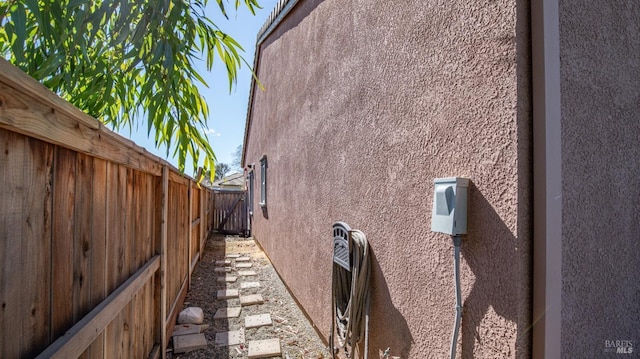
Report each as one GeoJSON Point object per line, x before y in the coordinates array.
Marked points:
{"type": "Point", "coordinates": [213, 132]}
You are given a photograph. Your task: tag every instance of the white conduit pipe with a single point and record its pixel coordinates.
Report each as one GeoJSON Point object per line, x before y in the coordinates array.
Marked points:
{"type": "Point", "coordinates": [350, 298]}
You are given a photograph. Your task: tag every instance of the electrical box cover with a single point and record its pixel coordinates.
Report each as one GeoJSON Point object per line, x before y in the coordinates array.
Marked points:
{"type": "Point", "coordinates": [449, 213]}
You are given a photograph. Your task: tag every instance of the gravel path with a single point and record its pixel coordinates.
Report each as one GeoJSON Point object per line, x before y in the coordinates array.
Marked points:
{"type": "Point", "coordinates": [298, 339]}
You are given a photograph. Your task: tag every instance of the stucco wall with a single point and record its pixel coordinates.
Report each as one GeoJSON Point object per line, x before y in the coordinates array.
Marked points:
{"type": "Point", "coordinates": [366, 102]}
{"type": "Point", "coordinates": [600, 77]}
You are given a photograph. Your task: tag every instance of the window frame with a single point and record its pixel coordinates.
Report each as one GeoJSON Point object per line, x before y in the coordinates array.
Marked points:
{"type": "Point", "coordinates": [263, 181]}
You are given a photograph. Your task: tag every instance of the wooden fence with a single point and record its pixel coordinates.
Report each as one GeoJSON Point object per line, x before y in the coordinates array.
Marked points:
{"type": "Point", "coordinates": [98, 238]}
{"type": "Point", "coordinates": [230, 211]}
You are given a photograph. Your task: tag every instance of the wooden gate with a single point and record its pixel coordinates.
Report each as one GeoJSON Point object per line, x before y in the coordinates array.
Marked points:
{"type": "Point", "coordinates": [230, 211]}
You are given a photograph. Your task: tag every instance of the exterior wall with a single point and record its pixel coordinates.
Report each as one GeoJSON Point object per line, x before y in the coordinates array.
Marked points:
{"type": "Point", "coordinates": [365, 103]}
{"type": "Point", "coordinates": [599, 44]}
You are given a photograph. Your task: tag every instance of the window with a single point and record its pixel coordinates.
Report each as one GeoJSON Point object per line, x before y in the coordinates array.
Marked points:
{"type": "Point", "coordinates": [263, 181]}
{"type": "Point", "coordinates": [251, 176]}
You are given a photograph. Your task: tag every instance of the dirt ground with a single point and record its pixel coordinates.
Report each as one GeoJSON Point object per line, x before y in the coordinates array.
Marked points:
{"type": "Point", "coordinates": [298, 338]}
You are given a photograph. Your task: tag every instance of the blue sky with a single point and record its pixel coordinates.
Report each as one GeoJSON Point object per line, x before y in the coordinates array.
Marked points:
{"type": "Point", "coordinates": [227, 110]}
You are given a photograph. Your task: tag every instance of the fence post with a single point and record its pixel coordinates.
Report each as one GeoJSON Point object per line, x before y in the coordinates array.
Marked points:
{"type": "Point", "coordinates": [163, 261]}
{"type": "Point", "coordinates": [189, 235]}
{"type": "Point", "coordinates": [203, 220]}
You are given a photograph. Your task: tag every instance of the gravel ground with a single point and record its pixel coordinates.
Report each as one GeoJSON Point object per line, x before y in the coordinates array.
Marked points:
{"type": "Point", "coordinates": [298, 338]}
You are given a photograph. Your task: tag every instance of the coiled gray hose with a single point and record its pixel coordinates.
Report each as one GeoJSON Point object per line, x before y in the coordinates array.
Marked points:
{"type": "Point", "coordinates": [350, 297]}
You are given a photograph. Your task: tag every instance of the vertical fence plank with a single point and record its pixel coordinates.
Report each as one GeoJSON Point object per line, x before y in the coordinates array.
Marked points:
{"type": "Point", "coordinates": [189, 232]}
{"type": "Point", "coordinates": [36, 247]}
{"type": "Point", "coordinates": [62, 241]}
{"type": "Point", "coordinates": [11, 194]}
{"type": "Point", "coordinates": [99, 252]}
{"type": "Point", "coordinates": [116, 214]}
{"type": "Point", "coordinates": [82, 241]}
{"type": "Point", "coordinates": [163, 264]}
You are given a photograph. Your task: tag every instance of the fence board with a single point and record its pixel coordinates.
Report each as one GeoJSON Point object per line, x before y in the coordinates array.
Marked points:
{"type": "Point", "coordinates": [99, 252]}
{"type": "Point", "coordinates": [62, 241]}
{"type": "Point", "coordinates": [11, 192]}
{"type": "Point", "coordinates": [82, 241]}
{"type": "Point", "coordinates": [36, 247]}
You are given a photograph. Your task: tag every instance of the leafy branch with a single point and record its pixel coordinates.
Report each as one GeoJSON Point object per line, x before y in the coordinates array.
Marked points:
{"type": "Point", "coordinates": [126, 61]}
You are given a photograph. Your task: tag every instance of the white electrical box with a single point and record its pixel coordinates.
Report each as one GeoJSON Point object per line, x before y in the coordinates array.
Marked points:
{"type": "Point", "coordinates": [449, 213]}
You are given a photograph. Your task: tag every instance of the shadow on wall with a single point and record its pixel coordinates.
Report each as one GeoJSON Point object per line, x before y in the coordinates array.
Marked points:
{"type": "Point", "coordinates": [394, 332]}
{"type": "Point", "coordinates": [299, 13]}
{"type": "Point", "coordinates": [265, 212]}
{"type": "Point", "coordinates": [492, 253]}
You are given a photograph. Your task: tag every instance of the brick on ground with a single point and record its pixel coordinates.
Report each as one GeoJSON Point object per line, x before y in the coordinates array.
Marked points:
{"type": "Point", "coordinates": [247, 273]}
{"type": "Point", "coordinates": [190, 342]}
{"type": "Point", "coordinates": [256, 321]}
{"type": "Point", "coordinates": [264, 348]}
{"type": "Point", "coordinates": [251, 299]}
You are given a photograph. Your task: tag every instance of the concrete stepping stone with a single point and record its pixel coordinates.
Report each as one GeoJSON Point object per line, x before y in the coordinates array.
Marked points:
{"type": "Point", "coordinates": [225, 262]}
{"type": "Point", "coordinates": [186, 329]}
{"type": "Point", "coordinates": [256, 321]}
{"type": "Point", "coordinates": [251, 299]}
{"type": "Point", "coordinates": [264, 348]}
{"type": "Point", "coordinates": [227, 278]}
{"type": "Point", "coordinates": [221, 269]}
{"type": "Point", "coordinates": [232, 255]}
{"type": "Point", "coordinates": [225, 313]}
{"type": "Point", "coordinates": [227, 293]}
{"type": "Point", "coordinates": [225, 339]}
{"type": "Point", "coordinates": [248, 285]}
{"type": "Point", "coordinates": [243, 259]}
{"type": "Point", "coordinates": [244, 265]}
{"type": "Point", "coordinates": [247, 273]}
{"type": "Point", "coordinates": [190, 342]}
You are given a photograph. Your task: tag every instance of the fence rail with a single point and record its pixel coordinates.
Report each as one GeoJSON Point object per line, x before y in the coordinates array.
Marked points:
{"type": "Point", "coordinates": [98, 237]}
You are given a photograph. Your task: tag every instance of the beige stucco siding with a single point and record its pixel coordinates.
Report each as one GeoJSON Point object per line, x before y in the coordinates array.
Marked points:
{"type": "Point", "coordinates": [365, 103]}
{"type": "Point", "coordinates": [600, 77]}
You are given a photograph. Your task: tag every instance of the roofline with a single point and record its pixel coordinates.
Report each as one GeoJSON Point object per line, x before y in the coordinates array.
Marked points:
{"type": "Point", "coordinates": [281, 10]}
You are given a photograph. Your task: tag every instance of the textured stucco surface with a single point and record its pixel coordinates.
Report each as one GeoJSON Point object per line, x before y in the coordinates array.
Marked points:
{"type": "Point", "coordinates": [600, 77]}
{"type": "Point", "coordinates": [366, 103]}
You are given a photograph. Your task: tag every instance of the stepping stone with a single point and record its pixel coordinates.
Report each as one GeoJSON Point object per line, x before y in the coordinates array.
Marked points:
{"type": "Point", "coordinates": [225, 262]}
{"type": "Point", "coordinates": [225, 339]}
{"type": "Point", "coordinates": [190, 342]}
{"type": "Point", "coordinates": [243, 259]}
{"type": "Point", "coordinates": [256, 321]}
{"type": "Point", "coordinates": [221, 269]}
{"type": "Point", "coordinates": [185, 329]}
{"type": "Point", "coordinates": [246, 273]}
{"type": "Point", "coordinates": [224, 313]}
{"type": "Point", "coordinates": [227, 293]}
{"type": "Point", "coordinates": [232, 255]}
{"type": "Point", "coordinates": [251, 299]}
{"type": "Point", "coordinates": [244, 265]}
{"type": "Point", "coordinates": [264, 348]}
{"type": "Point", "coordinates": [247, 285]}
{"type": "Point", "coordinates": [227, 278]}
